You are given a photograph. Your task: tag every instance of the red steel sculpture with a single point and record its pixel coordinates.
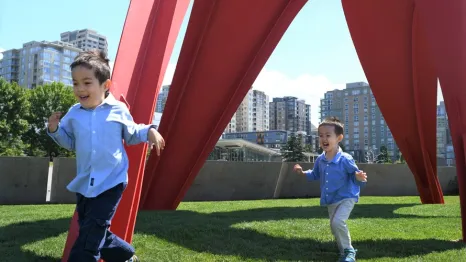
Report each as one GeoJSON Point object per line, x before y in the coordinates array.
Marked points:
{"type": "Point", "coordinates": [404, 46]}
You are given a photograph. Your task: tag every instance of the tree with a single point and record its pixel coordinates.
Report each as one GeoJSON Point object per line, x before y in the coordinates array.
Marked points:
{"type": "Point", "coordinates": [293, 150]}
{"type": "Point", "coordinates": [383, 157]}
{"type": "Point", "coordinates": [308, 148]}
{"type": "Point", "coordinates": [401, 159]}
{"type": "Point", "coordinates": [44, 101]}
{"type": "Point", "coordinates": [14, 108]}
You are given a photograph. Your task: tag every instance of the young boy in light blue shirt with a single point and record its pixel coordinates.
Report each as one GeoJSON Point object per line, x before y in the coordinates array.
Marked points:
{"type": "Point", "coordinates": [95, 128]}
{"type": "Point", "coordinates": [340, 182]}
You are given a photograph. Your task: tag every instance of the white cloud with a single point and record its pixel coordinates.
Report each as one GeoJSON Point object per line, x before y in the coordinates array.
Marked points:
{"type": "Point", "coordinates": [167, 79]}
{"type": "Point", "coordinates": [1, 50]}
{"type": "Point", "coordinates": [307, 87]}
{"type": "Point", "coordinates": [276, 84]}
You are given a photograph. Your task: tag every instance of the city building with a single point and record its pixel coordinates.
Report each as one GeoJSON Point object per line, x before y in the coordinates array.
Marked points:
{"type": "Point", "coordinates": [10, 65]}
{"type": "Point", "coordinates": [240, 150]}
{"type": "Point", "coordinates": [162, 99]}
{"type": "Point", "coordinates": [442, 131]}
{"type": "Point", "coordinates": [445, 150]}
{"type": "Point", "coordinates": [290, 114]}
{"type": "Point", "coordinates": [270, 138]}
{"type": "Point", "coordinates": [39, 63]}
{"type": "Point", "coordinates": [85, 39]}
{"type": "Point", "coordinates": [365, 128]}
{"type": "Point", "coordinates": [253, 112]}
{"type": "Point", "coordinates": [231, 126]}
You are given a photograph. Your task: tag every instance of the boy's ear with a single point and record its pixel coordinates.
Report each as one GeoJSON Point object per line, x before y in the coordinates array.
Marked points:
{"type": "Point", "coordinates": [108, 84]}
{"type": "Point", "coordinates": [340, 138]}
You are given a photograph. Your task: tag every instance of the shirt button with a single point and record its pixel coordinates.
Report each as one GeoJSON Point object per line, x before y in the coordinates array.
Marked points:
{"type": "Point", "coordinates": [93, 151]}
{"type": "Point", "coordinates": [326, 173]}
{"type": "Point", "coordinates": [93, 114]}
{"type": "Point", "coordinates": [93, 131]}
{"type": "Point", "coordinates": [327, 188]}
{"type": "Point", "coordinates": [326, 181]}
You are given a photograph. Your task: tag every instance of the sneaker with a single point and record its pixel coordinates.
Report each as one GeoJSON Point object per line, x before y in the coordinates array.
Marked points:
{"type": "Point", "coordinates": [349, 255]}
{"type": "Point", "coordinates": [134, 258]}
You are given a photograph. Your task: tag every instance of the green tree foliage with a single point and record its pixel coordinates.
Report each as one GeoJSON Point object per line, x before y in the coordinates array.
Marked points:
{"type": "Point", "coordinates": [45, 100]}
{"type": "Point", "coordinates": [14, 109]}
{"type": "Point", "coordinates": [383, 157]}
{"type": "Point", "coordinates": [293, 150]}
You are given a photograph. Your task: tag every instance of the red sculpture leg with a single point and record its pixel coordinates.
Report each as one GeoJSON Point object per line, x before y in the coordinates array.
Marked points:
{"type": "Point", "coordinates": [445, 24]}
{"type": "Point", "coordinates": [226, 45]}
{"type": "Point", "coordinates": [389, 45]}
{"type": "Point", "coordinates": [149, 34]}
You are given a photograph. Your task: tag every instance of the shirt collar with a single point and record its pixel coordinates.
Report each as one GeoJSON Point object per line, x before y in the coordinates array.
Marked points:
{"type": "Point", "coordinates": [336, 158]}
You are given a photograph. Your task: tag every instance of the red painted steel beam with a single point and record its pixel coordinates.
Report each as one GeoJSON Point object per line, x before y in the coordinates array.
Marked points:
{"type": "Point", "coordinates": [147, 41]}
{"type": "Point", "coordinates": [445, 25]}
{"type": "Point", "coordinates": [226, 45]}
{"type": "Point", "coordinates": [393, 51]}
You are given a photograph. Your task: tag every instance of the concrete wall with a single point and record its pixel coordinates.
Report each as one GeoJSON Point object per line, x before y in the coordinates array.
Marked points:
{"type": "Point", "coordinates": [23, 180]}
{"type": "Point", "coordinates": [219, 180]}
{"type": "Point", "coordinates": [64, 170]}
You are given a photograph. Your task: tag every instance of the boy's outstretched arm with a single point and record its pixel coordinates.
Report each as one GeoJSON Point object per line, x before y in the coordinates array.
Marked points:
{"type": "Point", "coordinates": [311, 174]}
{"type": "Point", "coordinates": [357, 176]}
{"type": "Point", "coordinates": [60, 131]}
{"type": "Point", "coordinates": [140, 133]}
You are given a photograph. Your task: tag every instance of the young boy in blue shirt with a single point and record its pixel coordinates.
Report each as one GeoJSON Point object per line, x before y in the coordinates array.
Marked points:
{"type": "Point", "coordinates": [95, 128]}
{"type": "Point", "coordinates": [340, 182]}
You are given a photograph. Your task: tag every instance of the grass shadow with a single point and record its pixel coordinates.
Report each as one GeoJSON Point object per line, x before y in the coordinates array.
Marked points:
{"type": "Point", "coordinates": [213, 233]}
{"type": "Point", "coordinates": [14, 236]}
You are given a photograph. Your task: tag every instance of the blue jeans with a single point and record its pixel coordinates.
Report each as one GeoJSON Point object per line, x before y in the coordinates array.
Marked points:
{"type": "Point", "coordinates": [95, 240]}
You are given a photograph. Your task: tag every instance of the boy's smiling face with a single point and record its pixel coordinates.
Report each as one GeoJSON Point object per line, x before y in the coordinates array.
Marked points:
{"type": "Point", "coordinates": [328, 139]}
{"type": "Point", "coordinates": [87, 89]}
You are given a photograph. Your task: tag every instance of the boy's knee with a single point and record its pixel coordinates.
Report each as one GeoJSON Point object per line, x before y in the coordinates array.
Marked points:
{"type": "Point", "coordinates": [337, 223]}
{"type": "Point", "coordinates": [92, 234]}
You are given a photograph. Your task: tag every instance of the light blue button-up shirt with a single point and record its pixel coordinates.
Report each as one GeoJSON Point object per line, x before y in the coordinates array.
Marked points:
{"type": "Point", "coordinates": [337, 178]}
{"type": "Point", "coordinates": [97, 137]}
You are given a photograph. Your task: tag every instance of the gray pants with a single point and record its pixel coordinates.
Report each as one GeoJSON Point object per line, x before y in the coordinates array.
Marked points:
{"type": "Point", "coordinates": [339, 213]}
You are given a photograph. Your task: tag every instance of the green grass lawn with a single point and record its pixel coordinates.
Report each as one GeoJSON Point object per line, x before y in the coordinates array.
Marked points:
{"type": "Point", "coordinates": [383, 229]}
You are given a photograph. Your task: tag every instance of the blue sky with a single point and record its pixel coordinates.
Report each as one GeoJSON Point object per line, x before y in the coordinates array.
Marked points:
{"type": "Point", "coordinates": [315, 55]}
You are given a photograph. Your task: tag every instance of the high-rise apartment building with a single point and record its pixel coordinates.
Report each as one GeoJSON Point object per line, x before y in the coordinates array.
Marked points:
{"type": "Point", "coordinates": [252, 114]}
{"type": "Point", "coordinates": [10, 65]}
{"type": "Point", "coordinates": [290, 114]}
{"type": "Point", "coordinates": [38, 63]}
{"type": "Point", "coordinates": [231, 127]}
{"type": "Point", "coordinates": [85, 39]}
{"type": "Point", "coordinates": [162, 99]}
{"type": "Point", "coordinates": [442, 130]}
{"type": "Point", "coordinates": [444, 141]}
{"type": "Point", "coordinates": [365, 127]}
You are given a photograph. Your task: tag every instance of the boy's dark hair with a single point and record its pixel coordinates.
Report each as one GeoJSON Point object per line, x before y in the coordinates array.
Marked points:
{"type": "Point", "coordinates": [95, 60]}
{"type": "Point", "coordinates": [335, 122]}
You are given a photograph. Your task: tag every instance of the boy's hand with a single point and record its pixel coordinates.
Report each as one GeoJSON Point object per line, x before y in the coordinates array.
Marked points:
{"type": "Point", "coordinates": [298, 169]}
{"type": "Point", "coordinates": [54, 119]}
{"type": "Point", "coordinates": [156, 139]}
{"type": "Point", "coordinates": [361, 176]}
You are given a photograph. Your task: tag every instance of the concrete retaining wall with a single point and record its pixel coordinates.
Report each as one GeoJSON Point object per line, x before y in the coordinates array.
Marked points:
{"type": "Point", "coordinates": [64, 170]}
{"type": "Point", "coordinates": [219, 180]}
{"type": "Point", "coordinates": [23, 180]}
